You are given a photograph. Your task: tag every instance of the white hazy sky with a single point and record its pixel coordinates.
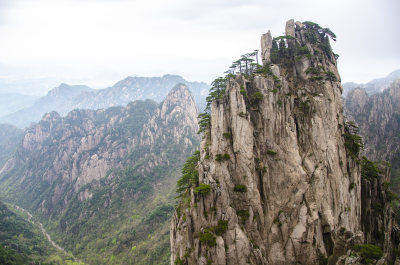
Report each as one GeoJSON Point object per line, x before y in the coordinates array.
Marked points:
{"type": "Point", "coordinates": [98, 42]}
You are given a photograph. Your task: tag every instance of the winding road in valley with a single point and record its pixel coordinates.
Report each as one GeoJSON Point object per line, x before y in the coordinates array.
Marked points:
{"type": "Point", "coordinates": [43, 230]}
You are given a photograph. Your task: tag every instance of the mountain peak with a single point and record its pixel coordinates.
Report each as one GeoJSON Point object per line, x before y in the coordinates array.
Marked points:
{"type": "Point", "coordinates": [65, 90]}
{"type": "Point", "coordinates": [180, 95]}
{"type": "Point", "coordinates": [264, 193]}
{"type": "Point", "coordinates": [179, 87]}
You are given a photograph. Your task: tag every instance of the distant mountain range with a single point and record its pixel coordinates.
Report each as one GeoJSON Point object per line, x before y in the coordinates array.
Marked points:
{"type": "Point", "coordinates": [102, 182]}
{"type": "Point", "coordinates": [374, 86]}
{"type": "Point", "coordinates": [378, 117]}
{"type": "Point", "coordinates": [65, 98]}
{"type": "Point", "coordinates": [10, 137]}
{"type": "Point", "coordinates": [12, 102]}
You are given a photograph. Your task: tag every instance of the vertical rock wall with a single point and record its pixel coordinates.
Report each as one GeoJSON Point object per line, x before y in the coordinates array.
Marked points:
{"type": "Point", "coordinates": [279, 174]}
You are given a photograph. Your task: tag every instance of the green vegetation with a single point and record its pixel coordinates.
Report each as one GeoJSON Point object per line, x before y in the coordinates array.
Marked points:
{"type": "Point", "coordinates": [305, 107]}
{"type": "Point", "coordinates": [221, 228]}
{"type": "Point", "coordinates": [222, 157]}
{"type": "Point", "coordinates": [10, 256]}
{"type": "Point", "coordinates": [178, 261]}
{"type": "Point", "coordinates": [202, 189]}
{"type": "Point", "coordinates": [216, 92]}
{"type": "Point", "coordinates": [244, 215]}
{"type": "Point", "coordinates": [240, 188]}
{"type": "Point", "coordinates": [277, 222]}
{"type": "Point", "coordinates": [247, 64]}
{"type": "Point", "coordinates": [10, 136]}
{"type": "Point", "coordinates": [322, 259]}
{"type": "Point", "coordinates": [352, 141]}
{"type": "Point", "coordinates": [206, 237]}
{"type": "Point", "coordinates": [271, 152]}
{"type": "Point", "coordinates": [21, 242]}
{"type": "Point", "coordinates": [204, 122]}
{"type": "Point", "coordinates": [286, 52]}
{"type": "Point", "coordinates": [190, 175]}
{"type": "Point", "coordinates": [124, 216]}
{"type": "Point", "coordinates": [227, 135]}
{"type": "Point", "coordinates": [369, 170]}
{"type": "Point", "coordinates": [263, 70]}
{"type": "Point", "coordinates": [136, 229]}
{"type": "Point", "coordinates": [330, 76]}
{"type": "Point", "coordinates": [243, 91]}
{"type": "Point", "coordinates": [257, 96]}
{"type": "Point", "coordinates": [369, 252]}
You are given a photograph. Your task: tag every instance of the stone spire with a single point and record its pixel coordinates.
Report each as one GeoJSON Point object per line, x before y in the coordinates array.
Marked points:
{"type": "Point", "coordinates": [279, 184]}
{"type": "Point", "coordinates": [266, 45]}
{"type": "Point", "coordinates": [289, 30]}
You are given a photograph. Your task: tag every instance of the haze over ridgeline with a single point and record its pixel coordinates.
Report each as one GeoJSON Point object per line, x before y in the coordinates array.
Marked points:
{"type": "Point", "coordinates": [108, 40]}
{"type": "Point", "coordinates": [65, 98]}
{"type": "Point", "coordinates": [285, 151]}
{"type": "Point", "coordinates": [21, 110]}
{"type": "Point", "coordinates": [374, 86]}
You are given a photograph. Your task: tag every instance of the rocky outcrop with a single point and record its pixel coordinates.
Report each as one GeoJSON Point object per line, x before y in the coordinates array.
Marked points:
{"type": "Point", "coordinates": [168, 113]}
{"type": "Point", "coordinates": [111, 170]}
{"type": "Point", "coordinates": [10, 138]}
{"type": "Point", "coordinates": [85, 145]}
{"type": "Point", "coordinates": [266, 45]}
{"type": "Point", "coordinates": [377, 217]}
{"type": "Point", "coordinates": [277, 184]}
{"type": "Point", "coordinates": [288, 153]}
{"type": "Point", "coordinates": [378, 118]}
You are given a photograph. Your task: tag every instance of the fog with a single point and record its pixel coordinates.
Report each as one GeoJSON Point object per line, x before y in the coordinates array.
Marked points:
{"type": "Point", "coordinates": [45, 42]}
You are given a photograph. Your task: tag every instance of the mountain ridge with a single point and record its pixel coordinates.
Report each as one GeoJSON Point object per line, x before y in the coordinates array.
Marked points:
{"type": "Point", "coordinates": [375, 85]}
{"type": "Point", "coordinates": [65, 98]}
{"type": "Point", "coordinates": [119, 162]}
{"type": "Point", "coordinates": [279, 178]}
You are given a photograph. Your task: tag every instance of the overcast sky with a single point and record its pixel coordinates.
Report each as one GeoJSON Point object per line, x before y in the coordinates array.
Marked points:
{"type": "Point", "coordinates": [98, 42]}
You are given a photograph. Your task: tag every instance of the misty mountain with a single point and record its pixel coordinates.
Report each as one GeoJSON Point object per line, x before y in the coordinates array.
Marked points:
{"type": "Point", "coordinates": [378, 118]}
{"type": "Point", "coordinates": [61, 99]}
{"type": "Point", "coordinates": [65, 98]}
{"type": "Point", "coordinates": [10, 137]}
{"type": "Point", "coordinates": [139, 88]}
{"type": "Point", "coordinates": [103, 181]}
{"type": "Point", "coordinates": [374, 86]}
{"type": "Point", "coordinates": [12, 102]}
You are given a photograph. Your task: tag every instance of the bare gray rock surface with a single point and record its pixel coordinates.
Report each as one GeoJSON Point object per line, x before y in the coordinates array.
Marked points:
{"type": "Point", "coordinates": [278, 168]}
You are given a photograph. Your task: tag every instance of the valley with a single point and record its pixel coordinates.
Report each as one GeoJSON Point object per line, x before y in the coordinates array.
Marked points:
{"type": "Point", "coordinates": [275, 162]}
{"type": "Point", "coordinates": [105, 191]}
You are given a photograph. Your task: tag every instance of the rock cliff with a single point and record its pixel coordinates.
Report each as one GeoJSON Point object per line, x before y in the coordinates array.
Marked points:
{"type": "Point", "coordinates": [10, 137]}
{"type": "Point", "coordinates": [378, 117]}
{"type": "Point", "coordinates": [109, 169]}
{"type": "Point", "coordinates": [374, 86]}
{"type": "Point", "coordinates": [377, 220]}
{"type": "Point", "coordinates": [279, 174]}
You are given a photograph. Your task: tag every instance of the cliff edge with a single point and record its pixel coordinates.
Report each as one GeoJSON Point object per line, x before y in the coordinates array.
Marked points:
{"type": "Point", "coordinates": [279, 179]}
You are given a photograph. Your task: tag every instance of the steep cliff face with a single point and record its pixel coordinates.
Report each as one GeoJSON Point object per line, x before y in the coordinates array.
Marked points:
{"type": "Point", "coordinates": [378, 118]}
{"type": "Point", "coordinates": [279, 174]}
{"type": "Point", "coordinates": [377, 218]}
{"type": "Point", "coordinates": [111, 170]}
{"type": "Point", "coordinates": [283, 185]}
{"type": "Point", "coordinates": [10, 137]}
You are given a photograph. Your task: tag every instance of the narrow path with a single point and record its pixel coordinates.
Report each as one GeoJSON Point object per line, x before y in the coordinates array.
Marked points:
{"type": "Point", "coordinates": [43, 231]}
